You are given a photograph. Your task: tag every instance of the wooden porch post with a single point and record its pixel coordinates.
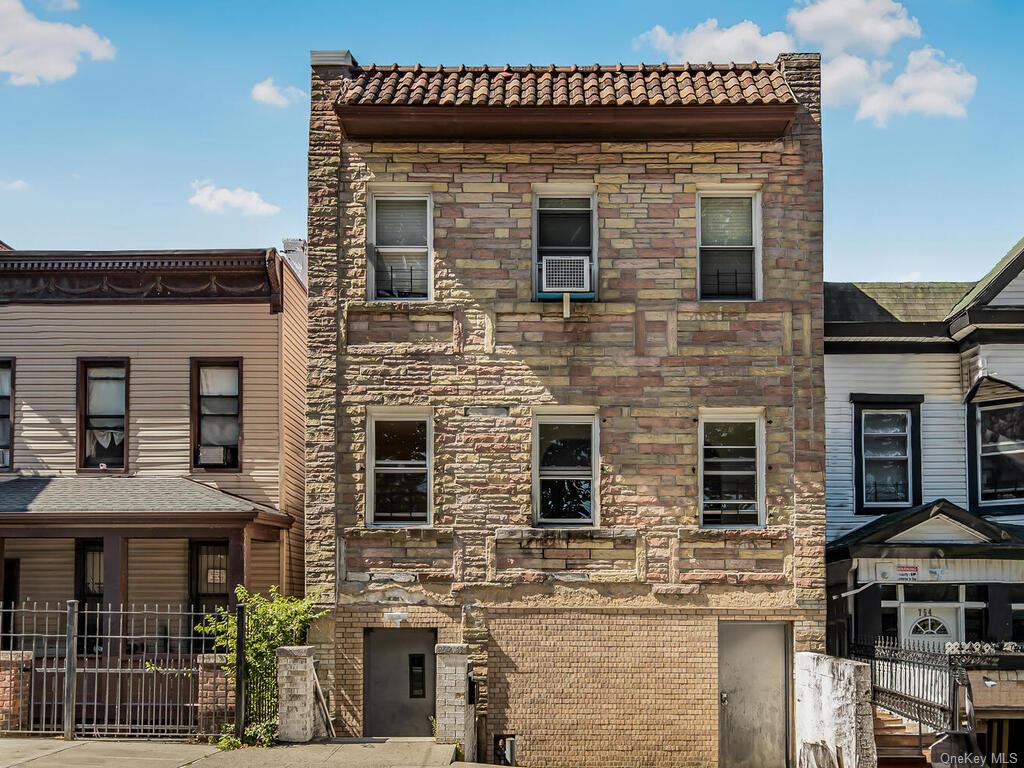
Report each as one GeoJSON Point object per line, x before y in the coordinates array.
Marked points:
{"type": "Point", "coordinates": [115, 570]}
{"type": "Point", "coordinates": [236, 563]}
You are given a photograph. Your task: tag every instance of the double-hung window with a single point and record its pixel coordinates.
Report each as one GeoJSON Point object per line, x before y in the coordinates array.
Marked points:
{"type": "Point", "coordinates": [399, 475]}
{"type": "Point", "coordinates": [565, 255]}
{"type": "Point", "coordinates": [400, 247]}
{"type": "Point", "coordinates": [886, 451]}
{"type": "Point", "coordinates": [566, 469]}
{"type": "Point", "coordinates": [103, 413]}
{"type": "Point", "coordinates": [732, 469]}
{"type": "Point", "coordinates": [729, 233]}
{"type": "Point", "coordinates": [6, 412]}
{"type": "Point", "coordinates": [1001, 454]}
{"type": "Point", "coordinates": [216, 414]}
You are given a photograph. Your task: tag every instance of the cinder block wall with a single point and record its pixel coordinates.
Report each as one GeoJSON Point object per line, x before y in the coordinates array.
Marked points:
{"type": "Point", "coordinates": [648, 356]}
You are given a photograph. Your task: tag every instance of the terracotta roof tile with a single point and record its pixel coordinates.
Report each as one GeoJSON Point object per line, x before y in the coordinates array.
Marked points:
{"type": "Point", "coordinates": [621, 85]}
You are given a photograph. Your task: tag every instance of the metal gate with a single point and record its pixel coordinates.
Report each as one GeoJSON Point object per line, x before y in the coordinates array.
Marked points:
{"type": "Point", "coordinates": [106, 672]}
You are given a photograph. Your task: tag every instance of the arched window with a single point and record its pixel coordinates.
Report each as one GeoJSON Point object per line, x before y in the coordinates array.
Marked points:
{"type": "Point", "coordinates": [929, 625]}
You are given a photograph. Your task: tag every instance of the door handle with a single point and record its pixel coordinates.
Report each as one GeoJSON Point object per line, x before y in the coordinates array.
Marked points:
{"type": "Point", "coordinates": [723, 698]}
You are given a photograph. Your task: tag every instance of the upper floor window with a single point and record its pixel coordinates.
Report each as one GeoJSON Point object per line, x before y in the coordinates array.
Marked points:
{"type": "Point", "coordinates": [103, 414]}
{"type": "Point", "coordinates": [565, 258]}
{"type": "Point", "coordinates": [565, 477]}
{"type": "Point", "coordinates": [399, 455]}
{"type": "Point", "coordinates": [885, 444]}
{"type": "Point", "coordinates": [1001, 455]}
{"type": "Point", "coordinates": [6, 412]}
{"type": "Point", "coordinates": [216, 414]}
{"type": "Point", "coordinates": [729, 236]}
{"type": "Point", "coordinates": [887, 451]}
{"type": "Point", "coordinates": [400, 247]}
{"type": "Point", "coordinates": [732, 469]}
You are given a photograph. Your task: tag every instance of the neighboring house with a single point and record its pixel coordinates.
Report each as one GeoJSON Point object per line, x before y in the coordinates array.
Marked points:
{"type": "Point", "coordinates": [151, 426]}
{"type": "Point", "coordinates": [925, 461]}
{"type": "Point", "coordinates": [566, 402]}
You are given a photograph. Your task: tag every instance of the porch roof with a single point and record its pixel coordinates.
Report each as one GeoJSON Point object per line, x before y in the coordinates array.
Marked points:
{"type": "Point", "coordinates": [125, 495]}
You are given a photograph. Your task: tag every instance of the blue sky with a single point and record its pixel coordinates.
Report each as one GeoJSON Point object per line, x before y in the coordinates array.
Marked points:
{"type": "Point", "coordinates": [135, 124]}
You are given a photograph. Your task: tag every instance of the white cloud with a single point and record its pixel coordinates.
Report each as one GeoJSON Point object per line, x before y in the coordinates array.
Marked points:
{"type": "Point", "coordinates": [34, 51]}
{"type": "Point", "coordinates": [930, 84]}
{"type": "Point", "coordinates": [216, 199]}
{"type": "Point", "coordinates": [14, 185]}
{"type": "Point", "coordinates": [846, 79]}
{"type": "Point", "coordinates": [709, 42]}
{"type": "Point", "coordinates": [62, 5]}
{"type": "Point", "coordinates": [912, 277]}
{"type": "Point", "coordinates": [267, 93]}
{"type": "Point", "coordinates": [853, 25]}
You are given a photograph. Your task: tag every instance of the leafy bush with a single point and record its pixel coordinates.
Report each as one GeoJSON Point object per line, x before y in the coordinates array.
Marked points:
{"type": "Point", "coordinates": [270, 622]}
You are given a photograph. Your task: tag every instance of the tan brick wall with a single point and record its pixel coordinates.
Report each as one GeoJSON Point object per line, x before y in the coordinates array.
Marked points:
{"type": "Point", "coordinates": [647, 357]}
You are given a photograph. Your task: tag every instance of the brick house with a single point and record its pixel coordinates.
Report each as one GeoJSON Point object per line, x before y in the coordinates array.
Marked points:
{"type": "Point", "coordinates": [565, 402]}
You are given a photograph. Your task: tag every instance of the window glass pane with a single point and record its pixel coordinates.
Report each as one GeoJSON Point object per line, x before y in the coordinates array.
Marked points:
{"type": "Point", "coordinates": [565, 499]}
{"type": "Point", "coordinates": [219, 405]}
{"type": "Point", "coordinates": [890, 623]}
{"type": "Point", "coordinates": [5, 407]}
{"type": "Point", "coordinates": [976, 593]}
{"type": "Point", "coordinates": [401, 275]}
{"type": "Point", "coordinates": [931, 593]}
{"type": "Point", "coordinates": [400, 442]}
{"type": "Point", "coordinates": [400, 497]}
{"type": "Point", "coordinates": [219, 380]}
{"type": "Point", "coordinates": [5, 380]}
{"type": "Point", "coordinates": [889, 592]}
{"type": "Point", "coordinates": [564, 446]}
{"type": "Point", "coordinates": [563, 202]}
{"type": "Point", "coordinates": [730, 459]}
{"type": "Point", "coordinates": [93, 572]}
{"type": "Point", "coordinates": [885, 446]}
{"type": "Point", "coordinates": [885, 423]}
{"type": "Point", "coordinates": [1002, 426]}
{"type": "Point", "coordinates": [726, 221]}
{"type": "Point", "coordinates": [730, 433]}
{"type": "Point", "coordinates": [1002, 476]}
{"type": "Point", "coordinates": [975, 629]}
{"type": "Point", "coordinates": [105, 391]}
{"type": "Point", "coordinates": [729, 513]}
{"type": "Point", "coordinates": [219, 430]}
{"type": "Point", "coordinates": [730, 487]}
{"type": "Point", "coordinates": [401, 222]}
{"type": "Point", "coordinates": [886, 480]}
{"type": "Point", "coordinates": [727, 273]}
{"type": "Point", "coordinates": [5, 433]}
{"type": "Point", "coordinates": [212, 569]}
{"type": "Point", "coordinates": [564, 230]}
{"type": "Point", "coordinates": [1018, 626]}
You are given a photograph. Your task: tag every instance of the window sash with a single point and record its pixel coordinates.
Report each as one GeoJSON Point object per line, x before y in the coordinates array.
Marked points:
{"type": "Point", "coordinates": [384, 257]}
{"type": "Point", "coordinates": [375, 515]}
{"type": "Point", "coordinates": [731, 512]}
{"type": "Point", "coordinates": [6, 412]}
{"type": "Point", "coordinates": [103, 422]}
{"type": "Point", "coordinates": [542, 474]}
{"type": "Point", "coordinates": [217, 412]}
{"type": "Point", "coordinates": [543, 208]}
{"type": "Point", "coordinates": [731, 285]}
{"type": "Point", "coordinates": [904, 458]}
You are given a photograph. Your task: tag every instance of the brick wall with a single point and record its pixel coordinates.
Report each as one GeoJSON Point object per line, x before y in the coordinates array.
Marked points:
{"type": "Point", "coordinates": [215, 694]}
{"type": "Point", "coordinates": [15, 690]}
{"type": "Point", "coordinates": [645, 358]}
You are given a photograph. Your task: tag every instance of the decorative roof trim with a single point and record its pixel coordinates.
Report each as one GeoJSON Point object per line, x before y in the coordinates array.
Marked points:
{"type": "Point", "coordinates": [72, 277]}
{"type": "Point", "coordinates": [990, 379]}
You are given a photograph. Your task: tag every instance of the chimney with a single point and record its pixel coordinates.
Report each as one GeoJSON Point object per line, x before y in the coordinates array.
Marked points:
{"type": "Point", "coordinates": [803, 74]}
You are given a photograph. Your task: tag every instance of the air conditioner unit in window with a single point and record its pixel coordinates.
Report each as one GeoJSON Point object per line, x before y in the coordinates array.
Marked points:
{"type": "Point", "coordinates": [565, 274]}
{"type": "Point", "coordinates": [212, 456]}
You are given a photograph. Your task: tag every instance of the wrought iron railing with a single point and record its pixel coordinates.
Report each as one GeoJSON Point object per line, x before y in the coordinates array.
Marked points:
{"type": "Point", "coordinates": [726, 284]}
{"type": "Point", "coordinates": [395, 281]}
{"type": "Point", "coordinates": [916, 681]}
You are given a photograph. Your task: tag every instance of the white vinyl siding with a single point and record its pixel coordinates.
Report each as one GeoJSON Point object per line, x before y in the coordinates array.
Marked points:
{"type": "Point", "coordinates": [943, 426]}
{"type": "Point", "coordinates": [264, 566]}
{"type": "Point", "coordinates": [157, 573]}
{"type": "Point", "coordinates": [1012, 295]}
{"type": "Point", "coordinates": [159, 340]}
{"type": "Point", "coordinates": [46, 569]}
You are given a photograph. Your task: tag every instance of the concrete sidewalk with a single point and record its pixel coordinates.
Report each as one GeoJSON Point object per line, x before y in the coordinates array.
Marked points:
{"type": "Point", "coordinates": [347, 753]}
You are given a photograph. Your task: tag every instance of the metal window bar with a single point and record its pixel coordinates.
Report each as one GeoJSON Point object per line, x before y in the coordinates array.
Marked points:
{"type": "Point", "coordinates": [134, 673]}
{"type": "Point", "coordinates": [719, 284]}
{"type": "Point", "coordinates": [391, 281]}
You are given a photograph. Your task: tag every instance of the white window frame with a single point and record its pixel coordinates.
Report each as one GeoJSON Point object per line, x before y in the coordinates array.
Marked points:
{"type": "Point", "coordinates": [397, 414]}
{"type": "Point", "coordinates": [903, 621]}
{"type": "Point", "coordinates": [371, 247]}
{"type": "Point", "coordinates": [977, 458]}
{"type": "Point", "coordinates": [909, 435]}
{"type": "Point", "coordinates": [734, 415]}
{"type": "Point", "coordinates": [558, 192]}
{"type": "Point", "coordinates": [756, 239]}
{"type": "Point", "coordinates": [574, 417]}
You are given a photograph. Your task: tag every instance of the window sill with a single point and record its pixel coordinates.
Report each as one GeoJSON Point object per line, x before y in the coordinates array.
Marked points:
{"type": "Point", "coordinates": [215, 470]}
{"type": "Point", "coordinates": [999, 508]}
{"type": "Point", "coordinates": [886, 510]}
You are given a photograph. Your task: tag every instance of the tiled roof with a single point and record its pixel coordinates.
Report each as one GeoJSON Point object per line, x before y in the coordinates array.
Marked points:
{"type": "Point", "coordinates": [117, 494]}
{"type": "Point", "coordinates": [596, 86]}
{"type": "Point", "coordinates": [891, 302]}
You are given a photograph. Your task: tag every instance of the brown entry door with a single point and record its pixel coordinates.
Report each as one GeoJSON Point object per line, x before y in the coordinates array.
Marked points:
{"type": "Point", "coordinates": [398, 685]}
{"type": "Point", "coordinates": [754, 694]}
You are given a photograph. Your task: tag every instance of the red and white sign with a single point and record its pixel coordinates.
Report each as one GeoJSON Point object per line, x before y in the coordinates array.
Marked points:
{"type": "Point", "coordinates": [906, 573]}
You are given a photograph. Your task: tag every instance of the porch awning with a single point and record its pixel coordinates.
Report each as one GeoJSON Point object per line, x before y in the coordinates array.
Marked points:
{"type": "Point", "coordinates": [154, 501]}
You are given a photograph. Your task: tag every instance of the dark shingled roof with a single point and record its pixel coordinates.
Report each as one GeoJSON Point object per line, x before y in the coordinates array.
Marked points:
{"type": "Point", "coordinates": [117, 494]}
{"type": "Point", "coordinates": [891, 302]}
{"type": "Point", "coordinates": [589, 86]}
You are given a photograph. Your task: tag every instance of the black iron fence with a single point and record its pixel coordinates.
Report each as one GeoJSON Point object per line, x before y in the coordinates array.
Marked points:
{"type": "Point", "coordinates": [115, 672]}
{"type": "Point", "coordinates": [917, 682]}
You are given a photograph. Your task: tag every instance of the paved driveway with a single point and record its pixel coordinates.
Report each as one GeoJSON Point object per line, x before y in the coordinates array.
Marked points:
{"type": "Point", "coordinates": [361, 753]}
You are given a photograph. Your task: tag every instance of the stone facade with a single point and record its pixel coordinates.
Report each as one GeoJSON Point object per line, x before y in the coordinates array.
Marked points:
{"type": "Point", "coordinates": [587, 644]}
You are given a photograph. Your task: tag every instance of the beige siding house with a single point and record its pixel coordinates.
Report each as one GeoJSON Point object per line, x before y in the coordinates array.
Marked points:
{"type": "Point", "coordinates": [151, 436]}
